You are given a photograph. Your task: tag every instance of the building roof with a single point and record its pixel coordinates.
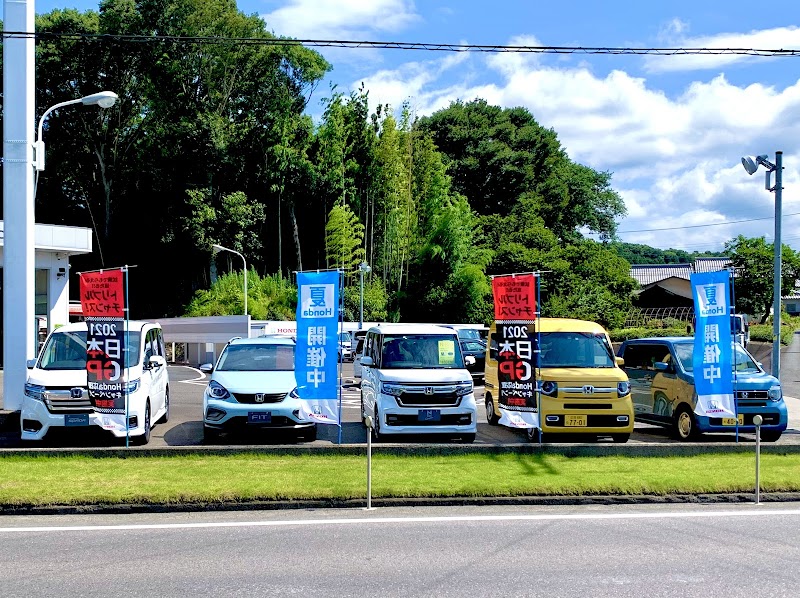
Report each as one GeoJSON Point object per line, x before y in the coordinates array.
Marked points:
{"type": "Point", "coordinates": [648, 274]}
{"type": "Point", "coordinates": [71, 240]}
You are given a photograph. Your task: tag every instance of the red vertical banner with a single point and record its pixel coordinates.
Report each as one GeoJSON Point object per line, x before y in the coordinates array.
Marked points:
{"type": "Point", "coordinates": [103, 305]}
{"type": "Point", "coordinates": [514, 298]}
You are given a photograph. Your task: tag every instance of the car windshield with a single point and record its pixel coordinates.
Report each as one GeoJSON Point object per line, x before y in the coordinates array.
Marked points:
{"type": "Point", "coordinates": [469, 334]}
{"type": "Point", "coordinates": [67, 351]}
{"type": "Point", "coordinates": [575, 350]}
{"type": "Point", "coordinates": [410, 351]}
{"type": "Point", "coordinates": [257, 358]}
{"type": "Point", "coordinates": [741, 360]}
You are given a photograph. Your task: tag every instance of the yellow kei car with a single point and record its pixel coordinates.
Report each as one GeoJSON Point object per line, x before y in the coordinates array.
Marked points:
{"type": "Point", "coordinates": [582, 386]}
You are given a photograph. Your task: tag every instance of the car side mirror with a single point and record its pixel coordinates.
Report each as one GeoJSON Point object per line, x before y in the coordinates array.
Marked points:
{"type": "Point", "coordinates": [367, 362]}
{"type": "Point", "coordinates": [156, 361]}
{"type": "Point", "coordinates": [469, 360]}
{"type": "Point", "coordinates": [663, 366]}
{"type": "Point", "coordinates": [31, 363]}
{"type": "Point", "coordinates": [619, 361]}
{"type": "Point", "coordinates": [207, 368]}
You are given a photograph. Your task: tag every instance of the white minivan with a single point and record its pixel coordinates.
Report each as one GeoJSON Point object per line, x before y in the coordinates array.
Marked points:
{"type": "Point", "coordinates": [56, 393]}
{"type": "Point", "coordinates": [414, 381]}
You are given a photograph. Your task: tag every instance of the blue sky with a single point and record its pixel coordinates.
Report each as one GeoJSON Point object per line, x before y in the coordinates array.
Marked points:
{"type": "Point", "coordinates": [672, 130]}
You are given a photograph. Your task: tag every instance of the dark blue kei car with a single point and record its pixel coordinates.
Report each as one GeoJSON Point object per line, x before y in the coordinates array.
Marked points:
{"type": "Point", "coordinates": [663, 393]}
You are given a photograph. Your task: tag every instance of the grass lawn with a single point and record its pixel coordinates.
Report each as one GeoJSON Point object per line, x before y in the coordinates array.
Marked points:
{"type": "Point", "coordinates": [71, 480]}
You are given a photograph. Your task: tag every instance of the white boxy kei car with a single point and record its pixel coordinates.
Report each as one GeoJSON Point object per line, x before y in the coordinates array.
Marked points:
{"type": "Point", "coordinates": [414, 381]}
{"type": "Point", "coordinates": [56, 392]}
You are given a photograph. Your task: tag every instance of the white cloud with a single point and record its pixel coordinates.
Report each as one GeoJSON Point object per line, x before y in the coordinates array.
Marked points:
{"type": "Point", "coordinates": [780, 38]}
{"type": "Point", "coordinates": [341, 19]}
{"type": "Point", "coordinates": [675, 160]}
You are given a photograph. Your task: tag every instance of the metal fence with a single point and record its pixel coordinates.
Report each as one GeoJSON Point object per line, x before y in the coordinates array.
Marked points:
{"type": "Point", "coordinates": [659, 317]}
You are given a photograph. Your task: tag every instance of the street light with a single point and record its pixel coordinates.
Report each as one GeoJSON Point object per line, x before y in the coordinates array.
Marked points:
{"type": "Point", "coordinates": [751, 164]}
{"type": "Point", "coordinates": [104, 99]}
{"type": "Point", "coordinates": [363, 268]}
{"type": "Point", "coordinates": [217, 248]}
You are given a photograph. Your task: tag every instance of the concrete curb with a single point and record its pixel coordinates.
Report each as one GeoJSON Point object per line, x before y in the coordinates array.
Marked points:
{"type": "Point", "coordinates": [256, 505]}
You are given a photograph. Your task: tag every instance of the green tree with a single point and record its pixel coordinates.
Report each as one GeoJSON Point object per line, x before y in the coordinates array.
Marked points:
{"type": "Point", "coordinates": [344, 237]}
{"type": "Point", "coordinates": [268, 298]}
{"type": "Point", "coordinates": [753, 263]}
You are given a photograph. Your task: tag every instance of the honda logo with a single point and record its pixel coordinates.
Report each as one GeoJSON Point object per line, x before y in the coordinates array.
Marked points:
{"type": "Point", "coordinates": [76, 393]}
{"type": "Point", "coordinates": [429, 390]}
{"type": "Point", "coordinates": [260, 397]}
{"type": "Point", "coordinates": [588, 389]}
{"type": "Point", "coordinates": [745, 395]}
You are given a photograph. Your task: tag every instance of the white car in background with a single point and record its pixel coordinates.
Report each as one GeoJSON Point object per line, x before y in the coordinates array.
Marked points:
{"type": "Point", "coordinates": [252, 387]}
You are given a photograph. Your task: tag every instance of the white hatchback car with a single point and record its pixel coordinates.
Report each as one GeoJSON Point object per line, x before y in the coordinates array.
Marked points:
{"type": "Point", "coordinates": [252, 386]}
{"type": "Point", "coordinates": [56, 392]}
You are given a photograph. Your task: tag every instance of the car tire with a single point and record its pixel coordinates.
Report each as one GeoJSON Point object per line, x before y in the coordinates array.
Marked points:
{"type": "Point", "coordinates": [685, 425]}
{"type": "Point", "coordinates": [376, 426]}
{"type": "Point", "coordinates": [144, 438]}
{"type": "Point", "coordinates": [770, 436]}
{"type": "Point", "coordinates": [308, 435]}
{"type": "Point", "coordinates": [620, 438]}
{"type": "Point", "coordinates": [534, 435]}
{"type": "Point", "coordinates": [165, 418]}
{"type": "Point", "coordinates": [491, 416]}
{"type": "Point", "coordinates": [210, 434]}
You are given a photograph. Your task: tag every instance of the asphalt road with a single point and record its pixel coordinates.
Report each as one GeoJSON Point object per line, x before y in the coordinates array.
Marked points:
{"type": "Point", "coordinates": [185, 427]}
{"type": "Point", "coordinates": [654, 550]}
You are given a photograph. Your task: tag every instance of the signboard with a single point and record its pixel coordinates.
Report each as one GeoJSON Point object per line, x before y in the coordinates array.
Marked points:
{"type": "Point", "coordinates": [103, 306]}
{"type": "Point", "coordinates": [317, 353]}
{"type": "Point", "coordinates": [514, 298]}
{"type": "Point", "coordinates": [712, 356]}
{"type": "Point", "coordinates": [515, 308]}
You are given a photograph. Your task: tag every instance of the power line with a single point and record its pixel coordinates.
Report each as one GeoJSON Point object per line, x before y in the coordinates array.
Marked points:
{"type": "Point", "coordinates": [650, 230]}
{"type": "Point", "coordinates": [427, 46]}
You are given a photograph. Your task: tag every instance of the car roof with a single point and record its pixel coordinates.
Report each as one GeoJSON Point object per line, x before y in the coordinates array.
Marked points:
{"type": "Point", "coordinates": [134, 325]}
{"type": "Point", "coordinates": [566, 325]}
{"type": "Point", "coordinates": [412, 329]}
{"type": "Point", "coordinates": [660, 339]}
{"type": "Point", "coordinates": [269, 339]}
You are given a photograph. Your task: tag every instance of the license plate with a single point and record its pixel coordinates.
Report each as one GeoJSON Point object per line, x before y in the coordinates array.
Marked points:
{"type": "Point", "coordinates": [76, 419]}
{"type": "Point", "coordinates": [259, 417]}
{"type": "Point", "coordinates": [429, 415]}
{"type": "Point", "coordinates": [575, 421]}
{"type": "Point", "coordinates": [732, 421]}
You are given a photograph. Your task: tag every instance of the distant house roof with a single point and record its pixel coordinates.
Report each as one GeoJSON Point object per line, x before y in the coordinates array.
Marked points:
{"type": "Point", "coordinates": [648, 274]}
{"type": "Point", "coordinates": [652, 273]}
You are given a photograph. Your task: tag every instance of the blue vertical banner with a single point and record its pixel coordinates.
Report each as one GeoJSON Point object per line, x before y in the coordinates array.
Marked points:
{"type": "Point", "coordinates": [317, 354]}
{"type": "Point", "coordinates": [713, 350]}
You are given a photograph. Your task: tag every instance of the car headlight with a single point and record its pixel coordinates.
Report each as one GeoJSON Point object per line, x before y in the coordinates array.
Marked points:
{"type": "Point", "coordinates": [391, 389]}
{"type": "Point", "coordinates": [131, 387]}
{"type": "Point", "coordinates": [294, 394]}
{"type": "Point", "coordinates": [623, 389]}
{"type": "Point", "coordinates": [34, 391]}
{"type": "Point", "coordinates": [774, 393]}
{"type": "Point", "coordinates": [215, 390]}
{"type": "Point", "coordinates": [549, 388]}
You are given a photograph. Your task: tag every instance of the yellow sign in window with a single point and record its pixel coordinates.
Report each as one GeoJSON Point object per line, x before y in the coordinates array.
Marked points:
{"type": "Point", "coordinates": [447, 352]}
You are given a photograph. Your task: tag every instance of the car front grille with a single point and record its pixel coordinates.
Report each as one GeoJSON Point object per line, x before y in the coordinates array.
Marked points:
{"type": "Point", "coordinates": [60, 400]}
{"type": "Point", "coordinates": [250, 399]}
{"type": "Point", "coordinates": [417, 399]}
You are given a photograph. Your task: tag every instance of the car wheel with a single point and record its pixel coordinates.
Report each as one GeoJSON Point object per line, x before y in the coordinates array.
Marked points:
{"type": "Point", "coordinates": [534, 435]}
{"type": "Point", "coordinates": [685, 425]}
{"type": "Point", "coordinates": [770, 436]}
{"type": "Point", "coordinates": [210, 434]}
{"type": "Point", "coordinates": [165, 418]}
{"type": "Point", "coordinates": [308, 435]}
{"type": "Point", "coordinates": [144, 438]}
{"type": "Point", "coordinates": [620, 438]}
{"type": "Point", "coordinates": [376, 426]}
{"type": "Point", "coordinates": [491, 416]}
{"type": "Point", "coordinates": [468, 438]}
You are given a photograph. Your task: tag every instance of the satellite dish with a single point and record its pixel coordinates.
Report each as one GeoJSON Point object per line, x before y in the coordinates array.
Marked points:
{"type": "Point", "coordinates": [750, 164]}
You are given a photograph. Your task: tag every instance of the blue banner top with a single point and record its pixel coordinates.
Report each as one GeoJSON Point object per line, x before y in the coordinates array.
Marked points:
{"type": "Point", "coordinates": [317, 352]}
{"type": "Point", "coordinates": [712, 358]}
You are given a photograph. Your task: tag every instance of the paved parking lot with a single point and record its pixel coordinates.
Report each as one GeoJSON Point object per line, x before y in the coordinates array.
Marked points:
{"type": "Point", "coordinates": [185, 427]}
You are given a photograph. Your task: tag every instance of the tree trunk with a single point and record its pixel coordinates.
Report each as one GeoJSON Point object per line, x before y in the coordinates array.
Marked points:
{"type": "Point", "coordinates": [296, 233]}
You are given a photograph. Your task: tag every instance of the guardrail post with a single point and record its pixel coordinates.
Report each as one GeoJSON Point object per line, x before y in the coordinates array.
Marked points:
{"type": "Point", "coordinates": [368, 424]}
{"type": "Point", "coordinates": [757, 420]}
